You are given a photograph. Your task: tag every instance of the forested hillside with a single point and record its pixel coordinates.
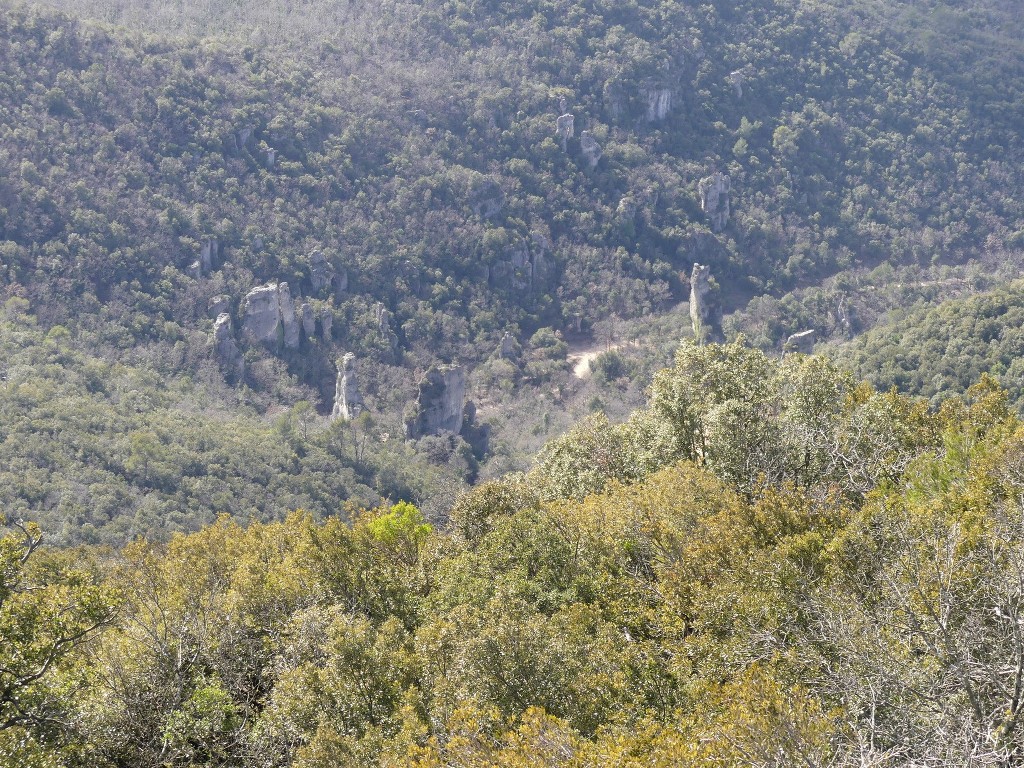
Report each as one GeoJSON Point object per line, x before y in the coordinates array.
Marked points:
{"type": "Point", "coordinates": [414, 146]}
{"type": "Point", "coordinates": [770, 564]}
{"type": "Point", "coordinates": [938, 351]}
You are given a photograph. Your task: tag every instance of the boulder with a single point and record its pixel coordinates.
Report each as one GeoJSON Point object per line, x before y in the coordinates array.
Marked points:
{"type": "Point", "coordinates": [439, 404]}
{"type": "Point", "coordinates": [590, 148]}
{"type": "Point", "coordinates": [714, 199]}
{"type": "Point", "coordinates": [705, 307]}
{"type": "Point", "coordinates": [326, 323]}
{"type": "Point", "coordinates": [348, 402]}
{"type": "Point", "coordinates": [228, 355]}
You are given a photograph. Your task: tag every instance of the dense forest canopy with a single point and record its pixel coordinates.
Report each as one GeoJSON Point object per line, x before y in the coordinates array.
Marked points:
{"type": "Point", "coordinates": [771, 569]}
{"type": "Point", "coordinates": [280, 283]}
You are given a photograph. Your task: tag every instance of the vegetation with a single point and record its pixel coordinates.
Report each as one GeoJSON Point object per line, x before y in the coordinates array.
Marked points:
{"type": "Point", "coordinates": [938, 351]}
{"type": "Point", "coordinates": [103, 451]}
{"type": "Point", "coordinates": [851, 595]}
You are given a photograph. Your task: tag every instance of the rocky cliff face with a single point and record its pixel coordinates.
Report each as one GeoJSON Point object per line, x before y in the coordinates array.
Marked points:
{"type": "Point", "coordinates": [659, 102]}
{"type": "Point", "coordinates": [228, 355]}
{"type": "Point", "coordinates": [439, 403]}
{"type": "Point", "coordinates": [705, 307]}
{"type": "Point", "coordinates": [348, 401]}
{"type": "Point", "coordinates": [714, 199]}
{"type": "Point", "coordinates": [565, 129]}
{"type": "Point", "coordinates": [268, 315]}
{"type": "Point", "coordinates": [590, 148]}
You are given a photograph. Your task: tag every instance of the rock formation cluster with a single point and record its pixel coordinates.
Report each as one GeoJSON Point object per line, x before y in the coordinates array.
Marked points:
{"type": "Point", "coordinates": [269, 317]}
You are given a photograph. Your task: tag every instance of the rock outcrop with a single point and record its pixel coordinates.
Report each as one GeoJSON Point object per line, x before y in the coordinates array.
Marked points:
{"type": "Point", "coordinates": [802, 342]}
{"type": "Point", "coordinates": [228, 354]}
{"type": "Point", "coordinates": [439, 403]}
{"type": "Point", "coordinates": [218, 305]}
{"type": "Point", "coordinates": [659, 102]}
{"type": "Point", "coordinates": [524, 266]}
{"type": "Point", "coordinates": [261, 314]}
{"type": "Point", "coordinates": [321, 273]}
{"type": "Point", "coordinates": [326, 323]}
{"type": "Point", "coordinates": [289, 321]}
{"type": "Point", "coordinates": [590, 148]}
{"type": "Point", "coordinates": [348, 402]}
{"type": "Point", "coordinates": [714, 199]}
{"type": "Point", "coordinates": [308, 320]}
{"type": "Point", "coordinates": [565, 129]}
{"type": "Point", "coordinates": [209, 255]}
{"type": "Point", "coordinates": [384, 325]}
{"type": "Point", "coordinates": [507, 347]}
{"type": "Point", "coordinates": [705, 306]}
{"type": "Point", "coordinates": [268, 316]}
{"type": "Point", "coordinates": [736, 80]}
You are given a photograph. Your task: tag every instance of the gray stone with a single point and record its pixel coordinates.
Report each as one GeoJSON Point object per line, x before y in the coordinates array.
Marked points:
{"type": "Point", "coordinates": [321, 273]}
{"type": "Point", "coordinates": [507, 348]}
{"type": "Point", "coordinates": [659, 103]}
{"type": "Point", "coordinates": [736, 80]}
{"type": "Point", "coordinates": [565, 129]}
{"type": "Point", "coordinates": [218, 305]}
{"type": "Point", "coordinates": [308, 320]}
{"type": "Point", "coordinates": [439, 403]}
{"type": "Point", "coordinates": [384, 325]}
{"type": "Point", "coordinates": [261, 314]}
{"type": "Point", "coordinates": [802, 342]}
{"type": "Point", "coordinates": [224, 345]}
{"type": "Point", "coordinates": [208, 255]}
{"type": "Point", "coordinates": [270, 158]}
{"type": "Point", "coordinates": [288, 318]}
{"type": "Point", "coordinates": [590, 148]}
{"type": "Point", "coordinates": [714, 199]}
{"type": "Point", "coordinates": [243, 137]}
{"type": "Point", "coordinates": [348, 402]}
{"type": "Point", "coordinates": [326, 322]}
{"type": "Point", "coordinates": [522, 267]}
{"type": "Point", "coordinates": [195, 270]}
{"type": "Point", "coordinates": [705, 307]}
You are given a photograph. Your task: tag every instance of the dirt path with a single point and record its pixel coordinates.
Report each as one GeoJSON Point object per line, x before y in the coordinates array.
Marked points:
{"type": "Point", "coordinates": [580, 356]}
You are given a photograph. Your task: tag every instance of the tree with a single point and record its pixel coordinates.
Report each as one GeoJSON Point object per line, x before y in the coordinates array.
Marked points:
{"type": "Point", "coordinates": [48, 609]}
